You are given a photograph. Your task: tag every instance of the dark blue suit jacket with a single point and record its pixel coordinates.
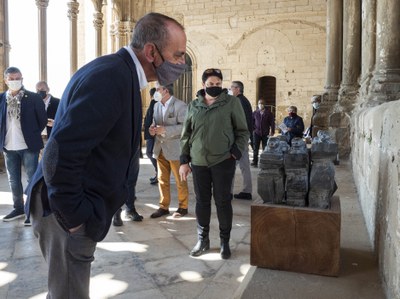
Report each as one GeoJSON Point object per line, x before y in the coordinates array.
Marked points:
{"type": "Point", "coordinates": [33, 120]}
{"type": "Point", "coordinates": [86, 159]}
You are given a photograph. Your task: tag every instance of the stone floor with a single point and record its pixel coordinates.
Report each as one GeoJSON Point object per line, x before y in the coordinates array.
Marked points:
{"type": "Point", "coordinates": [150, 259]}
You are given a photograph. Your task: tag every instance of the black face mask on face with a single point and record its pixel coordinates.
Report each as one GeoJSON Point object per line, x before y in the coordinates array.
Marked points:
{"type": "Point", "coordinates": [42, 93]}
{"type": "Point", "coordinates": [214, 91]}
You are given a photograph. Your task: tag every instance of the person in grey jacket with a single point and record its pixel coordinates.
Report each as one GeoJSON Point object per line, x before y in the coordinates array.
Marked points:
{"type": "Point", "coordinates": [214, 136]}
{"type": "Point", "coordinates": [168, 118]}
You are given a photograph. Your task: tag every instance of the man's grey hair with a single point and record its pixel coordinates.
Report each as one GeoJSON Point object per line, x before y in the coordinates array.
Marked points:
{"type": "Point", "coordinates": [44, 83]}
{"type": "Point", "coordinates": [240, 85]}
{"type": "Point", "coordinates": [152, 28]}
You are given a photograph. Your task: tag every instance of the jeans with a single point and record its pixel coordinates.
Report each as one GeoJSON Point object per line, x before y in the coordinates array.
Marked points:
{"type": "Point", "coordinates": [149, 152]}
{"type": "Point", "coordinates": [257, 139]}
{"type": "Point", "coordinates": [215, 180]}
{"type": "Point", "coordinates": [14, 161]}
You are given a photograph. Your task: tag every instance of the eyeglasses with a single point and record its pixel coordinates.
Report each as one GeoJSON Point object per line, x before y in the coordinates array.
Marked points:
{"type": "Point", "coordinates": [210, 71]}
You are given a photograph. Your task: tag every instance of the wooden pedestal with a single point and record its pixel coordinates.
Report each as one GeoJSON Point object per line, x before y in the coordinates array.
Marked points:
{"type": "Point", "coordinates": [296, 239]}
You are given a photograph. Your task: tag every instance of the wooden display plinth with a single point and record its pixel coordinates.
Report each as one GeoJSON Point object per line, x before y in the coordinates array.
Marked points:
{"type": "Point", "coordinates": [297, 239]}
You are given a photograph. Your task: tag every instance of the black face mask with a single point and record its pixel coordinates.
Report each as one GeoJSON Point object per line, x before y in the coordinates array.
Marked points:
{"type": "Point", "coordinates": [42, 93]}
{"type": "Point", "coordinates": [214, 91]}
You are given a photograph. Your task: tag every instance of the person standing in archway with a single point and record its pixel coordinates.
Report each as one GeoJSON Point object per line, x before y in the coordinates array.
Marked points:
{"type": "Point", "coordinates": [263, 128]}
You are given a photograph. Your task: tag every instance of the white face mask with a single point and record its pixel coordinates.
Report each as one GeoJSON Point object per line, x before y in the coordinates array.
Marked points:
{"type": "Point", "coordinates": [14, 85]}
{"type": "Point", "coordinates": [315, 105]}
{"type": "Point", "coordinates": [230, 92]}
{"type": "Point", "coordinates": [260, 106]}
{"type": "Point", "coordinates": [157, 96]}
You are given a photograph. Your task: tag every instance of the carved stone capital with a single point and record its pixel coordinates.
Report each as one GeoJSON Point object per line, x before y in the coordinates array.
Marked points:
{"type": "Point", "coordinates": [122, 28]}
{"type": "Point", "coordinates": [73, 10]}
{"type": "Point", "coordinates": [98, 21]}
{"type": "Point", "coordinates": [42, 3]}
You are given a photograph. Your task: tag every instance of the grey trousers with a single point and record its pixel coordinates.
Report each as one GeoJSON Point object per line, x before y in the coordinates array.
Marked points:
{"type": "Point", "coordinates": [68, 255]}
{"type": "Point", "coordinates": [244, 165]}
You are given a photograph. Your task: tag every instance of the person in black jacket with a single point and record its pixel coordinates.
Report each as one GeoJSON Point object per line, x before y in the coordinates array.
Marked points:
{"type": "Point", "coordinates": [237, 89]}
{"type": "Point", "coordinates": [22, 119]}
{"type": "Point", "coordinates": [148, 120]}
{"type": "Point", "coordinates": [51, 104]}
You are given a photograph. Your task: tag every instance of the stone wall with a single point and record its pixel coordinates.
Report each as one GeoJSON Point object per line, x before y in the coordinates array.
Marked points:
{"type": "Point", "coordinates": [376, 170]}
{"type": "Point", "coordinates": [252, 39]}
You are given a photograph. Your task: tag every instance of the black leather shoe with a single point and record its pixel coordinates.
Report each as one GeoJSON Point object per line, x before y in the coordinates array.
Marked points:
{"type": "Point", "coordinates": [254, 164]}
{"type": "Point", "coordinates": [180, 213]}
{"type": "Point", "coordinates": [200, 247]}
{"type": "Point", "coordinates": [160, 212]}
{"type": "Point", "coordinates": [243, 195]}
{"type": "Point", "coordinates": [134, 215]}
{"type": "Point", "coordinates": [117, 221]}
{"type": "Point", "coordinates": [153, 181]}
{"type": "Point", "coordinates": [225, 250]}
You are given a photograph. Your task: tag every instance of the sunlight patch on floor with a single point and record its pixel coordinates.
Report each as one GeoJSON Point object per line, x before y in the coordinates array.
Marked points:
{"type": "Point", "coordinates": [123, 246]}
{"type": "Point", "coordinates": [103, 286]}
{"type": "Point", "coordinates": [5, 198]}
{"type": "Point", "coordinates": [243, 269]}
{"type": "Point", "coordinates": [6, 277]}
{"type": "Point", "coordinates": [191, 276]}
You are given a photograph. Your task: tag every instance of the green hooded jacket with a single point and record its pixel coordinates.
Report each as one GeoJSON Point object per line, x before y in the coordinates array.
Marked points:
{"type": "Point", "coordinates": [212, 134]}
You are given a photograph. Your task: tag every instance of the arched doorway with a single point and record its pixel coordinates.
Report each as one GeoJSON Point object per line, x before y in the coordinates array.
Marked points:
{"type": "Point", "coordinates": [266, 88]}
{"type": "Point", "coordinates": [183, 86]}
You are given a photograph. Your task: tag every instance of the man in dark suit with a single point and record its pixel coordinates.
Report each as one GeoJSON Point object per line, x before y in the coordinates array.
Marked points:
{"type": "Point", "coordinates": [22, 118]}
{"type": "Point", "coordinates": [82, 178]}
{"type": "Point", "coordinates": [51, 104]}
{"type": "Point", "coordinates": [148, 120]}
{"type": "Point", "coordinates": [237, 89]}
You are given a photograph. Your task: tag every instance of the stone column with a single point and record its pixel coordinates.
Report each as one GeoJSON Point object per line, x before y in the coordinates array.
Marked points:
{"type": "Point", "coordinates": [4, 40]}
{"type": "Point", "coordinates": [368, 49]}
{"type": "Point", "coordinates": [351, 66]}
{"type": "Point", "coordinates": [385, 84]}
{"type": "Point", "coordinates": [334, 16]}
{"type": "Point", "coordinates": [98, 26]}
{"type": "Point", "coordinates": [339, 120]}
{"type": "Point", "coordinates": [42, 20]}
{"type": "Point", "coordinates": [73, 34]}
{"type": "Point", "coordinates": [334, 45]}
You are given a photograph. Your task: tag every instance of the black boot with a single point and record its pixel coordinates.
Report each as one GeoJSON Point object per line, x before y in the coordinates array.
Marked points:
{"type": "Point", "coordinates": [201, 246]}
{"type": "Point", "coordinates": [225, 250]}
{"type": "Point", "coordinates": [117, 221]}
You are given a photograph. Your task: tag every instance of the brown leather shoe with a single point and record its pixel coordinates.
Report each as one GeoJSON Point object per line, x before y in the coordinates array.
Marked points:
{"type": "Point", "coordinates": [160, 212]}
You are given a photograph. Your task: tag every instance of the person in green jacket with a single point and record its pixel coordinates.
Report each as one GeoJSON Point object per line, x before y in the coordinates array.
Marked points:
{"type": "Point", "coordinates": [214, 136]}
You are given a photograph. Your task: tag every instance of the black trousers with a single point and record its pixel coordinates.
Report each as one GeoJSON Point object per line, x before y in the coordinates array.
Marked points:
{"type": "Point", "coordinates": [214, 181]}
{"type": "Point", "coordinates": [257, 139]}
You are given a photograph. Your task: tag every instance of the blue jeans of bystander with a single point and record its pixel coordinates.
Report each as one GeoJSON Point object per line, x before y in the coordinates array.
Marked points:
{"type": "Point", "coordinates": [14, 161]}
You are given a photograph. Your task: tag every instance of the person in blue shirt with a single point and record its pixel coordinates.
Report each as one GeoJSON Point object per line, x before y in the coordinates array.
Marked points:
{"type": "Point", "coordinates": [294, 124]}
